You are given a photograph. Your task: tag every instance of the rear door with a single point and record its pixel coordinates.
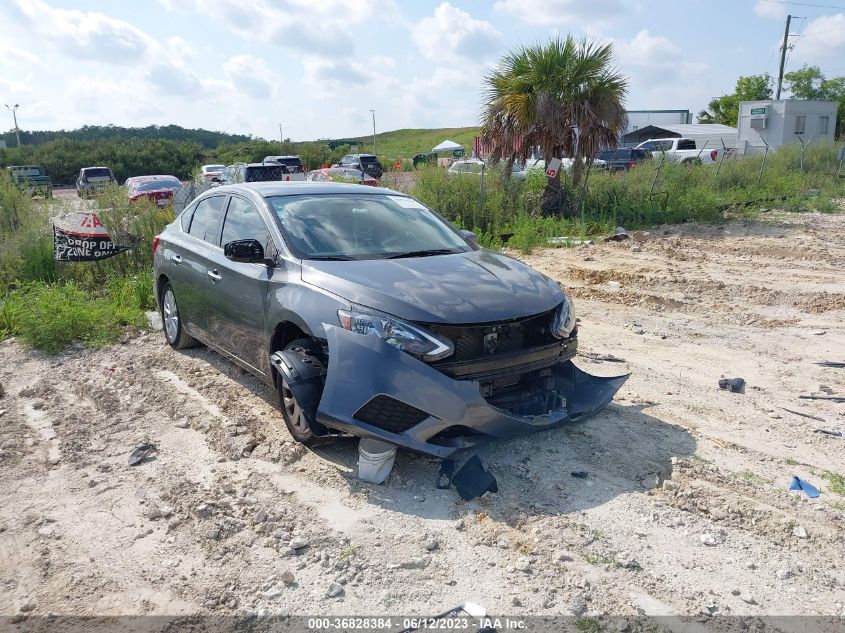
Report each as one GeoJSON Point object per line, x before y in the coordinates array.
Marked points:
{"type": "Point", "coordinates": [237, 292]}
{"type": "Point", "coordinates": [188, 260]}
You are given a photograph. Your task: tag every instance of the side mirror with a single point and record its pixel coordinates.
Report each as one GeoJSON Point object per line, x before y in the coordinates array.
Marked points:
{"type": "Point", "coordinates": [470, 237]}
{"type": "Point", "coordinates": [244, 251]}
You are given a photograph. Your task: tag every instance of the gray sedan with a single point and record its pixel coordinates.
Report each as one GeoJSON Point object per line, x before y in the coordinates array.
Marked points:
{"type": "Point", "coordinates": [373, 316]}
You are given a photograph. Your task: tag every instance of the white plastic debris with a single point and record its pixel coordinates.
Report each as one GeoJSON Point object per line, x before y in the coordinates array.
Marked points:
{"type": "Point", "coordinates": [375, 460]}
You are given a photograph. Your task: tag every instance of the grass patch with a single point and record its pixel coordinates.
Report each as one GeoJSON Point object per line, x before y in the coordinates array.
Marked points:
{"type": "Point", "coordinates": [750, 477]}
{"type": "Point", "coordinates": [589, 625]}
{"type": "Point", "coordinates": [835, 482]}
{"type": "Point", "coordinates": [649, 195]}
{"type": "Point", "coordinates": [50, 318]}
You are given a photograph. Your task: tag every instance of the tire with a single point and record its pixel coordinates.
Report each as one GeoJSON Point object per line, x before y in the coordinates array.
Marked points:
{"type": "Point", "coordinates": [292, 413]}
{"type": "Point", "coordinates": [174, 333]}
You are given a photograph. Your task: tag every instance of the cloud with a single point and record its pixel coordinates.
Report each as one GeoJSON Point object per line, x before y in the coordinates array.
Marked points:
{"type": "Point", "coordinates": [85, 35]}
{"type": "Point", "coordinates": [770, 9]}
{"type": "Point", "coordinates": [656, 74]}
{"type": "Point", "coordinates": [583, 13]}
{"type": "Point", "coordinates": [171, 80]}
{"type": "Point", "coordinates": [316, 28]}
{"type": "Point", "coordinates": [250, 75]}
{"type": "Point", "coordinates": [453, 32]}
{"type": "Point", "coordinates": [822, 42]}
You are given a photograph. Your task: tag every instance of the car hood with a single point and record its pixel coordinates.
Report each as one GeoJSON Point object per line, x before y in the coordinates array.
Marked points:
{"type": "Point", "coordinates": [473, 287]}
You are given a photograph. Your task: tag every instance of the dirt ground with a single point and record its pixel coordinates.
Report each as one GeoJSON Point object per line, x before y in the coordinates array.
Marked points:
{"type": "Point", "coordinates": [684, 509]}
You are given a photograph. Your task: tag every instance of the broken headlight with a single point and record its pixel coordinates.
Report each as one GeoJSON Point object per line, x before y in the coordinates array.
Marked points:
{"type": "Point", "coordinates": [564, 320]}
{"type": "Point", "coordinates": [398, 333]}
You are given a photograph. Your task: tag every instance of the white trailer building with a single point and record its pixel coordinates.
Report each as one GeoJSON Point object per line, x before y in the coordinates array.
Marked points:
{"type": "Point", "coordinates": [776, 123]}
{"type": "Point", "coordinates": [705, 135]}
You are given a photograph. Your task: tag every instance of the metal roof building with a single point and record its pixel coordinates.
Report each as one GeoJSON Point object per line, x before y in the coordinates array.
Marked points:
{"type": "Point", "coordinates": [711, 135]}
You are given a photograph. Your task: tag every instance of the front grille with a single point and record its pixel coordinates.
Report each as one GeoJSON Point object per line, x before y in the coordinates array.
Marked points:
{"type": "Point", "coordinates": [389, 414]}
{"type": "Point", "coordinates": [487, 340]}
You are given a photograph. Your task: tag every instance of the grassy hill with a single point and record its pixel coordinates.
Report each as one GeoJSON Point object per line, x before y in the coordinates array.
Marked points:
{"type": "Point", "coordinates": [406, 143]}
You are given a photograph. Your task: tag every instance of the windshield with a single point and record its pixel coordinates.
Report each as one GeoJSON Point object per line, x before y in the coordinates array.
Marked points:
{"type": "Point", "coordinates": [98, 172]}
{"type": "Point", "coordinates": [360, 226]}
{"type": "Point", "coordinates": [368, 159]}
{"type": "Point", "coordinates": [154, 185]}
{"type": "Point", "coordinates": [29, 170]}
{"type": "Point", "coordinates": [213, 169]}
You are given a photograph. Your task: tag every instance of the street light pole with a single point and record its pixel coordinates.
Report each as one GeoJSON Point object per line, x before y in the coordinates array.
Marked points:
{"type": "Point", "coordinates": [373, 112]}
{"type": "Point", "coordinates": [281, 135]}
{"type": "Point", "coordinates": [13, 110]}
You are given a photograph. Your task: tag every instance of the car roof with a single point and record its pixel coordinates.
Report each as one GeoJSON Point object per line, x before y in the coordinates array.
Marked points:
{"type": "Point", "coordinates": [282, 156]}
{"type": "Point", "coordinates": [296, 188]}
{"type": "Point", "coordinates": [148, 178]}
{"type": "Point", "coordinates": [87, 168]}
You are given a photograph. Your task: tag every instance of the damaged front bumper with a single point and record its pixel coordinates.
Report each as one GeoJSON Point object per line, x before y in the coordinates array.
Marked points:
{"type": "Point", "coordinates": [375, 390]}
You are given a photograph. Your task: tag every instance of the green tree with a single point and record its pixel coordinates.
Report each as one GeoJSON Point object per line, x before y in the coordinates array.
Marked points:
{"type": "Point", "coordinates": [565, 97]}
{"type": "Point", "coordinates": [810, 83]}
{"type": "Point", "coordinates": [725, 109]}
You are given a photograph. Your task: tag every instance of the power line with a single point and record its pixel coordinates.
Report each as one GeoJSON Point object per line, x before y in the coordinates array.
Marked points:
{"type": "Point", "coordinates": [807, 4]}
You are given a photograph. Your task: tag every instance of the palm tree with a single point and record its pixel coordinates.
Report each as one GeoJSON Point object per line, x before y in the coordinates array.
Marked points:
{"type": "Point", "coordinates": [565, 97]}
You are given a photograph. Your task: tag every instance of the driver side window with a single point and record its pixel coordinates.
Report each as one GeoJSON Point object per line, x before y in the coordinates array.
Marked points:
{"type": "Point", "coordinates": [244, 222]}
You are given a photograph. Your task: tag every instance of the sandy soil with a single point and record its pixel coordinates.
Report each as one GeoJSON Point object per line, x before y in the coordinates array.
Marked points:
{"type": "Point", "coordinates": [684, 509]}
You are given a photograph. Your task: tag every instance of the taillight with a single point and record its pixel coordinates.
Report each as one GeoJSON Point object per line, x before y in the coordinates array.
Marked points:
{"type": "Point", "coordinates": [156, 240]}
{"type": "Point", "coordinates": [713, 154]}
{"type": "Point", "coordinates": [632, 164]}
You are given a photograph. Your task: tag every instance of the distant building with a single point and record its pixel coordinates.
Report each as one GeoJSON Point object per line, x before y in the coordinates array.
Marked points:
{"type": "Point", "coordinates": [776, 123]}
{"type": "Point", "coordinates": [2, 144]}
{"type": "Point", "coordinates": [638, 119]}
{"type": "Point", "coordinates": [705, 135]}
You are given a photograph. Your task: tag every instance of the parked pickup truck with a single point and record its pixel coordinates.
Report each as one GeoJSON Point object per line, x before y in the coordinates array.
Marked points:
{"type": "Point", "coordinates": [680, 150]}
{"type": "Point", "coordinates": [32, 179]}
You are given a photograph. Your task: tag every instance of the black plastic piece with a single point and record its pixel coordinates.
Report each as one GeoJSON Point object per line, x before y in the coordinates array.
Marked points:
{"type": "Point", "coordinates": [472, 480]}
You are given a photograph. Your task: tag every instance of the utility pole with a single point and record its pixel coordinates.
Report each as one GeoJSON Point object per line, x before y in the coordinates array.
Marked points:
{"type": "Point", "coordinates": [13, 110]}
{"type": "Point", "coordinates": [783, 50]}
{"type": "Point", "coordinates": [281, 135]}
{"type": "Point", "coordinates": [373, 112]}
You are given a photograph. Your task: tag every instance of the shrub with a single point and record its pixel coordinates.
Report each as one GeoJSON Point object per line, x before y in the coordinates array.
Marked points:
{"type": "Point", "coordinates": [52, 317]}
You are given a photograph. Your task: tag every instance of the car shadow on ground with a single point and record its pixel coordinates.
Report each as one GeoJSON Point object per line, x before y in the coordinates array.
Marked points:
{"type": "Point", "coordinates": [622, 450]}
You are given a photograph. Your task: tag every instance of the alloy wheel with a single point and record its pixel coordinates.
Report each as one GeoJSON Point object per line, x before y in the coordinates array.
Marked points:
{"type": "Point", "coordinates": [171, 316]}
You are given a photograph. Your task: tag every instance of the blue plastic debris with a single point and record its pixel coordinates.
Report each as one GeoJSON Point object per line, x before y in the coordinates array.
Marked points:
{"type": "Point", "coordinates": [806, 487]}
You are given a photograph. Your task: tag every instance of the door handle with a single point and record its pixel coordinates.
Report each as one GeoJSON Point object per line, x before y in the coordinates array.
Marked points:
{"type": "Point", "coordinates": [213, 275]}
{"type": "Point", "coordinates": [176, 259]}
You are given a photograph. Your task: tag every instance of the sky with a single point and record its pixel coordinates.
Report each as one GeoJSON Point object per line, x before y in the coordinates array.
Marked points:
{"type": "Point", "coordinates": [319, 66]}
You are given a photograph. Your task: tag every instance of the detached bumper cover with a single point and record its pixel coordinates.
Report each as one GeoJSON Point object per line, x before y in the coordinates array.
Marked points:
{"type": "Point", "coordinates": [362, 368]}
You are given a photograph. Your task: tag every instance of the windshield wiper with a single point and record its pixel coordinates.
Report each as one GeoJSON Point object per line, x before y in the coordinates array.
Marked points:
{"type": "Point", "coordinates": [423, 253]}
{"type": "Point", "coordinates": [330, 258]}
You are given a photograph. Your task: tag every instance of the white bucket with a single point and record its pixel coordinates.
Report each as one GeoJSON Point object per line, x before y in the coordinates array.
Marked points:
{"type": "Point", "coordinates": [375, 460]}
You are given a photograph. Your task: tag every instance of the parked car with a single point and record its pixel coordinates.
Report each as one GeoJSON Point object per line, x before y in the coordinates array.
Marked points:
{"type": "Point", "coordinates": [373, 316]}
{"type": "Point", "coordinates": [31, 179]}
{"type": "Point", "coordinates": [293, 163]}
{"type": "Point", "coordinates": [93, 179]}
{"type": "Point", "coordinates": [472, 166]}
{"type": "Point", "coordinates": [680, 150]}
{"type": "Point", "coordinates": [565, 164]}
{"type": "Point", "coordinates": [622, 158]}
{"type": "Point", "coordinates": [160, 189]}
{"type": "Point", "coordinates": [362, 162]}
{"type": "Point", "coordinates": [211, 173]}
{"type": "Point", "coordinates": [341, 174]}
{"type": "Point", "coordinates": [257, 172]}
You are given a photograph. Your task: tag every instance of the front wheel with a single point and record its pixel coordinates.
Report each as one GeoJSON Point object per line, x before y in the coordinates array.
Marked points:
{"type": "Point", "coordinates": [295, 415]}
{"type": "Point", "coordinates": [174, 333]}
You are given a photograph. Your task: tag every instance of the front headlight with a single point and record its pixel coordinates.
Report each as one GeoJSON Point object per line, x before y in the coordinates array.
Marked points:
{"type": "Point", "coordinates": [564, 320]}
{"type": "Point", "coordinates": [398, 333]}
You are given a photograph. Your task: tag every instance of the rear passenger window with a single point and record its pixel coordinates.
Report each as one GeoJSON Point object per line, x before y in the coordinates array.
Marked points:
{"type": "Point", "coordinates": [206, 219]}
{"type": "Point", "coordinates": [244, 222]}
{"type": "Point", "coordinates": [686, 144]}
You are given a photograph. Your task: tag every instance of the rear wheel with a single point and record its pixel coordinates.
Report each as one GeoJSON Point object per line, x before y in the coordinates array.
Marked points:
{"type": "Point", "coordinates": [296, 418]}
{"type": "Point", "coordinates": [174, 333]}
